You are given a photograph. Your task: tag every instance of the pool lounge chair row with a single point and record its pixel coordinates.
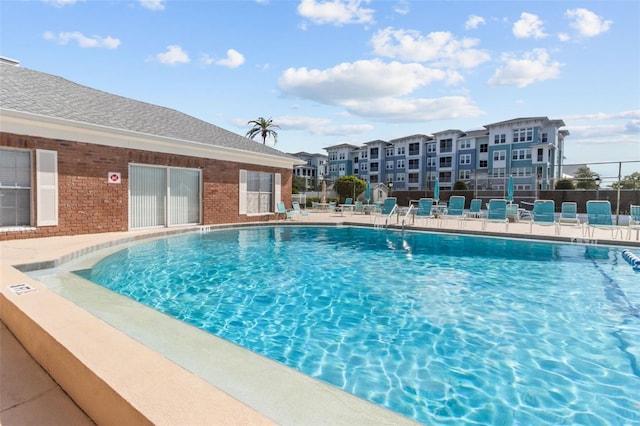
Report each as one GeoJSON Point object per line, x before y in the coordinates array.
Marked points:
{"type": "Point", "coordinates": [599, 215]}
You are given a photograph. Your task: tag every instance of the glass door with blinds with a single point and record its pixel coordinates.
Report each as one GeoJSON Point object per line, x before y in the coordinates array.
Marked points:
{"type": "Point", "coordinates": [163, 196]}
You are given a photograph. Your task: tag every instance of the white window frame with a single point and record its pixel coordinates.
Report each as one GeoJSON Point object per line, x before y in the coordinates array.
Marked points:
{"type": "Point", "coordinates": [244, 194]}
{"type": "Point", "coordinates": [465, 159]}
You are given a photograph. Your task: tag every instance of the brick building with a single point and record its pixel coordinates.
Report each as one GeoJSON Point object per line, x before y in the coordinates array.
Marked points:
{"type": "Point", "coordinates": [75, 160]}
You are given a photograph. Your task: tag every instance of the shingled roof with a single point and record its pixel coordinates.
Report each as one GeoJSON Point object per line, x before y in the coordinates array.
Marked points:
{"type": "Point", "coordinates": [28, 91]}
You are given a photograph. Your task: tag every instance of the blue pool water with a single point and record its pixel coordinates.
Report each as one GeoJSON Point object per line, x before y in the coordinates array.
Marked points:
{"type": "Point", "coordinates": [445, 329]}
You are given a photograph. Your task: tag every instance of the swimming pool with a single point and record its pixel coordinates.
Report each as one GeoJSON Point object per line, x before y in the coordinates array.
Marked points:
{"type": "Point", "coordinates": [441, 328]}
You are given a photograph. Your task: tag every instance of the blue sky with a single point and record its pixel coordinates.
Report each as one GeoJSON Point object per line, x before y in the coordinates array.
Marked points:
{"type": "Point", "coordinates": [349, 71]}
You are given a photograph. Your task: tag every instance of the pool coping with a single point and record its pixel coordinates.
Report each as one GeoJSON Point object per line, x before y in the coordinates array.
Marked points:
{"type": "Point", "coordinates": [79, 351]}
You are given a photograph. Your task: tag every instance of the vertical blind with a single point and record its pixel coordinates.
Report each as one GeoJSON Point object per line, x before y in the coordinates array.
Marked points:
{"type": "Point", "coordinates": [163, 196]}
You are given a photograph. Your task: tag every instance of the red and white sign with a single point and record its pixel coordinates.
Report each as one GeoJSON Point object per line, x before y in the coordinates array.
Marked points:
{"type": "Point", "coordinates": [114, 177]}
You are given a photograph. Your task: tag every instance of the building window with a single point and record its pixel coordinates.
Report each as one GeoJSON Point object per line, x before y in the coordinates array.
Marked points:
{"type": "Point", "coordinates": [374, 153]}
{"type": "Point", "coordinates": [414, 149]}
{"type": "Point", "coordinates": [431, 148]}
{"type": "Point", "coordinates": [414, 178]}
{"type": "Point", "coordinates": [498, 139]}
{"type": "Point", "coordinates": [342, 156]}
{"type": "Point", "coordinates": [465, 144]}
{"type": "Point", "coordinates": [499, 155]}
{"type": "Point", "coordinates": [445, 162]}
{"type": "Point", "coordinates": [483, 164]}
{"type": "Point", "coordinates": [499, 172]}
{"type": "Point", "coordinates": [523, 135]}
{"type": "Point", "coordinates": [465, 159]}
{"type": "Point", "coordinates": [15, 188]}
{"type": "Point", "coordinates": [464, 174]}
{"type": "Point", "coordinates": [446, 145]}
{"type": "Point", "coordinates": [400, 164]}
{"type": "Point", "coordinates": [363, 154]}
{"type": "Point", "coordinates": [388, 152]}
{"type": "Point", "coordinates": [400, 177]}
{"type": "Point", "coordinates": [545, 138]}
{"type": "Point", "coordinates": [431, 162]}
{"type": "Point", "coordinates": [333, 168]}
{"type": "Point", "coordinates": [521, 154]}
{"type": "Point", "coordinates": [414, 164]}
{"type": "Point", "coordinates": [166, 196]}
{"type": "Point", "coordinates": [484, 147]}
{"type": "Point", "coordinates": [400, 150]}
{"type": "Point", "coordinates": [333, 156]}
{"type": "Point", "coordinates": [373, 179]}
{"type": "Point", "coordinates": [388, 165]}
{"type": "Point", "coordinates": [363, 167]}
{"type": "Point", "coordinates": [445, 177]}
{"type": "Point", "coordinates": [540, 154]}
{"type": "Point", "coordinates": [373, 167]}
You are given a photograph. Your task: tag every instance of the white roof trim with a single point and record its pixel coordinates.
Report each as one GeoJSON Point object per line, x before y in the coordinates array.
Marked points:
{"type": "Point", "coordinates": [47, 127]}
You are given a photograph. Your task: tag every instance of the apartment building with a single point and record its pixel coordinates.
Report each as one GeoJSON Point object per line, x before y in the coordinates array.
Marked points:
{"type": "Point", "coordinates": [313, 171]}
{"type": "Point", "coordinates": [529, 149]}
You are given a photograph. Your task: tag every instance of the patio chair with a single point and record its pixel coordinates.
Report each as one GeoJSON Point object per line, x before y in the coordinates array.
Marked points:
{"type": "Point", "coordinates": [513, 212]}
{"type": "Point", "coordinates": [282, 210]}
{"type": "Point", "coordinates": [543, 213]}
{"type": "Point", "coordinates": [634, 221]}
{"type": "Point", "coordinates": [386, 211]}
{"type": "Point", "coordinates": [475, 209]}
{"type": "Point", "coordinates": [568, 215]}
{"type": "Point", "coordinates": [599, 216]}
{"type": "Point", "coordinates": [298, 210]}
{"type": "Point", "coordinates": [424, 209]}
{"type": "Point", "coordinates": [359, 207]}
{"type": "Point", "coordinates": [496, 212]}
{"type": "Point", "coordinates": [455, 209]}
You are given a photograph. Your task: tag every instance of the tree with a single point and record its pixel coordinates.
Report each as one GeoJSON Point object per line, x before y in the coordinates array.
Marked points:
{"type": "Point", "coordinates": [460, 185]}
{"type": "Point", "coordinates": [299, 185]}
{"type": "Point", "coordinates": [349, 186]}
{"type": "Point", "coordinates": [631, 181]}
{"type": "Point", "coordinates": [585, 178]}
{"type": "Point", "coordinates": [264, 128]}
{"type": "Point", "coordinates": [565, 184]}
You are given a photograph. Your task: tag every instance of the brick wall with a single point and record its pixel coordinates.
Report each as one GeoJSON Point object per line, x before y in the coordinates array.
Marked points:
{"type": "Point", "coordinates": [88, 204]}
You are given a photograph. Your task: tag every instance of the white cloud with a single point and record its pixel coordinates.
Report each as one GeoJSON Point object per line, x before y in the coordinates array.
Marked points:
{"type": "Point", "coordinates": [360, 80]}
{"type": "Point", "coordinates": [174, 55]}
{"type": "Point", "coordinates": [336, 12]}
{"type": "Point", "coordinates": [377, 90]}
{"type": "Point", "coordinates": [82, 40]}
{"type": "Point", "coordinates": [233, 60]}
{"type": "Point", "coordinates": [587, 23]}
{"type": "Point", "coordinates": [600, 116]}
{"type": "Point", "coordinates": [153, 4]}
{"type": "Point", "coordinates": [402, 8]}
{"type": "Point", "coordinates": [473, 22]}
{"type": "Point", "coordinates": [410, 110]}
{"type": "Point", "coordinates": [321, 126]}
{"type": "Point", "coordinates": [534, 66]}
{"type": "Point", "coordinates": [528, 26]}
{"type": "Point", "coordinates": [564, 37]}
{"type": "Point", "coordinates": [440, 48]}
{"type": "Point", "coordinates": [61, 3]}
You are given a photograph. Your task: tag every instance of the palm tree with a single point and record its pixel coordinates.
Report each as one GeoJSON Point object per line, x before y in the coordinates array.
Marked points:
{"type": "Point", "coordinates": [263, 128]}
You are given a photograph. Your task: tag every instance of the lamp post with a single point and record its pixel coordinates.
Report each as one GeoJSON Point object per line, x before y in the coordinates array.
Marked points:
{"type": "Point", "coordinates": [597, 182]}
{"type": "Point", "coordinates": [390, 185]}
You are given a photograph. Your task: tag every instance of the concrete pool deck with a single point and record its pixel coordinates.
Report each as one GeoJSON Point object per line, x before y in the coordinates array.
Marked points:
{"type": "Point", "coordinates": [78, 356]}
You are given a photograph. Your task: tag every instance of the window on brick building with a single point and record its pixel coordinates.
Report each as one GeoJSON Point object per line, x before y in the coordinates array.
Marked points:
{"type": "Point", "coordinates": [16, 188]}
{"type": "Point", "coordinates": [163, 196]}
